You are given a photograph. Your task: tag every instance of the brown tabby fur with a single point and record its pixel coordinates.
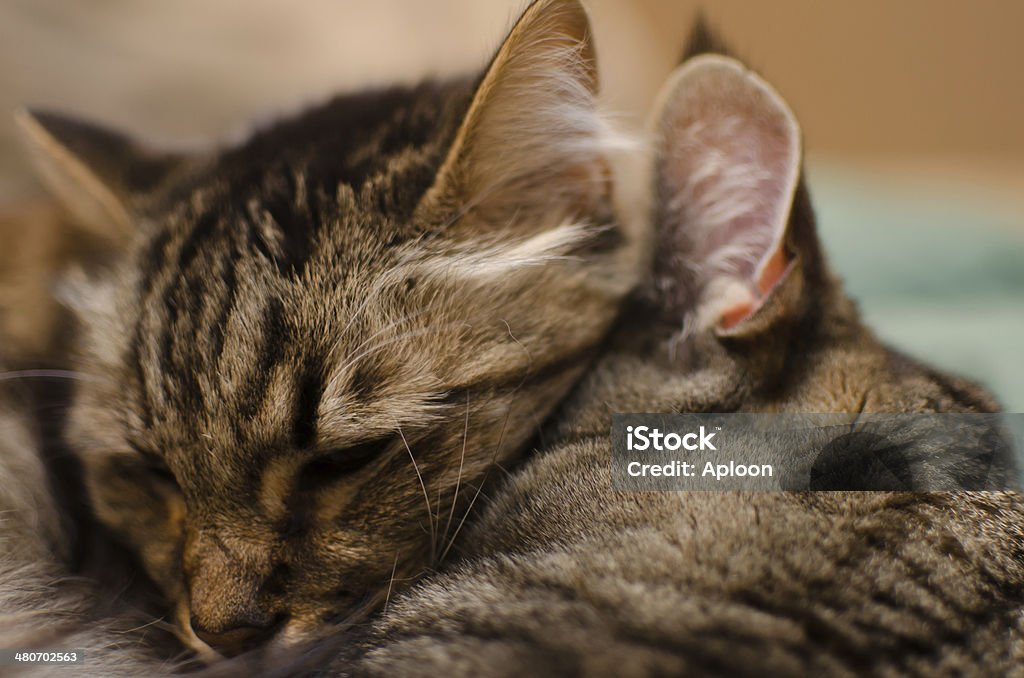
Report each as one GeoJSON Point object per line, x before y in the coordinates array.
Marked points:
{"type": "Point", "coordinates": [563, 576]}
{"type": "Point", "coordinates": [41, 604]}
{"type": "Point", "coordinates": [317, 344]}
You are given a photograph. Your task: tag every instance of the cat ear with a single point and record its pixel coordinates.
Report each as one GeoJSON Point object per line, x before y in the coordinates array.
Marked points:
{"type": "Point", "coordinates": [97, 174]}
{"type": "Point", "coordinates": [731, 255]}
{"type": "Point", "coordinates": [531, 139]}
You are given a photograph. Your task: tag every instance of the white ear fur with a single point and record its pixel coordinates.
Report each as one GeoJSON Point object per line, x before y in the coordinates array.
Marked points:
{"type": "Point", "coordinates": [532, 136]}
{"type": "Point", "coordinates": [727, 168]}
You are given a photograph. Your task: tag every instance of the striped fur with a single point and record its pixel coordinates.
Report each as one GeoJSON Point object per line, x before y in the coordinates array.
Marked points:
{"type": "Point", "coordinates": [319, 344]}
{"type": "Point", "coordinates": [563, 576]}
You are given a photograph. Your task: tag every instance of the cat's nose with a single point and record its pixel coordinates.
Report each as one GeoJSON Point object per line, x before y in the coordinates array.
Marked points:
{"type": "Point", "coordinates": [241, 636]}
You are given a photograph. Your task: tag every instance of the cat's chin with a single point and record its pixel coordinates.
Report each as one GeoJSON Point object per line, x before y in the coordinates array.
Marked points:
{"type": "Point", "coordinates": [302, 631]}
{"type": "Point", "coordinates": [188, 637]}
{"type": "Point", "coordinates": [292, 638]}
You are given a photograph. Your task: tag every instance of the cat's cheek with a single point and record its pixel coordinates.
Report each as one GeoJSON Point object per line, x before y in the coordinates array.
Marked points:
{"type": "Point", "coordinates": [144, 513]}
{"type": "Point", "coordinates": [162, 554]}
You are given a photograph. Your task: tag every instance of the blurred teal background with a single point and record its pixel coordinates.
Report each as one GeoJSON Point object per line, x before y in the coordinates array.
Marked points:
{"type": "Point", "coordinates": [938, 275]}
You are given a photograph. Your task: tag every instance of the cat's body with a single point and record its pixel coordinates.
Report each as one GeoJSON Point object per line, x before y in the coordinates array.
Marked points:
{"type": "Point", "coordinates": [564, 576]}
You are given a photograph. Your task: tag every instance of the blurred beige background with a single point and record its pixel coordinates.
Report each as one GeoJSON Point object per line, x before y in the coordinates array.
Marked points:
{"type": "Point", "coordinates": [928, 90]}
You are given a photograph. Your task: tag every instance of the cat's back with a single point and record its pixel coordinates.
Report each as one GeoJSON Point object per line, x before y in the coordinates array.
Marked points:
{"type": "Point", "coordinates": [576, 578]}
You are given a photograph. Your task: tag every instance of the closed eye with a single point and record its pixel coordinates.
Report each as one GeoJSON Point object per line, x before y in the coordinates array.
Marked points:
{"type": "Point", "coordinates": [337, 464]}
{"type": "Point", "coordinates": [155, 465]}
{"type": "Point", "coordinates": [160, 471]}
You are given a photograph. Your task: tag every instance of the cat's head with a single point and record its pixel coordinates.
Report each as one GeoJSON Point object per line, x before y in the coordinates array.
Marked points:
{"type": "Point", "coordinates": [741, 311]}
{"type": "Point", "coordinates": [319, 342]}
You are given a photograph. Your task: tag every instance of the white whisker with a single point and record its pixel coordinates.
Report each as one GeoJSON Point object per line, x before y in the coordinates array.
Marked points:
{"type": "Point", "coordinates": [49, 374]}
{"type": "Point", "coordinates": [458, 479]}
{"type": "Point", "coordinates": [483, 480]}
{"type": "Point", "coordinates": [426, 496]}
{"type": "Point", "coordinates": [391, 583]}
{"type": "Point", "coordinates": [439, 328]}
{"type": "Point", "coordinates": [465, 515]}
{"type": "Point", "coordinates": [529, 356]}
{"type": "Point", "coordinates": [356, 315]}
{"type": "Point", "coordinates": [391, 326]}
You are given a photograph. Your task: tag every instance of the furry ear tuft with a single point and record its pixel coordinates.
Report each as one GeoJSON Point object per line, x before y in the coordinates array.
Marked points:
{"type": "Point", "coordinates": [532, 141]}
{"type": "Point", "coordinates": [727, 170]}
{"type": "Point", "coordinates": [96, 173]}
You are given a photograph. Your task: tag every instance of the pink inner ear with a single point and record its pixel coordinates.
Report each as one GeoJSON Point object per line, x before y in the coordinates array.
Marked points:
{"type": "Point", "coordinates": [733, 316]}
{"type": "Point", "coordinates": [774, 269]}
{"type": "Point", "coordinates": [730, 167]}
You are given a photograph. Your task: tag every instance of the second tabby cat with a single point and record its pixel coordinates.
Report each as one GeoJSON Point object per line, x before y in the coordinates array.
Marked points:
{"type": "Point", "coordinates": [564, 576]}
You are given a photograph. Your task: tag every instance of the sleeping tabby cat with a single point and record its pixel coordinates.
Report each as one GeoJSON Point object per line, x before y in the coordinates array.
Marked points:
{"type": "Point", "coordinates": [563, 576]}
{"type": "Point", "coordinates": [317, 343]}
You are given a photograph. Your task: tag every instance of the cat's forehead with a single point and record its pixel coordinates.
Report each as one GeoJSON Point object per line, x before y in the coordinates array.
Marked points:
{"type": "Point", "coordinates": [231, 354]}
{"type": "Point", "coordinates": [223, 332]}
{"type": "Point", "coordinates": [256, 268]}
{"type": "Point", "coordinates": [358, 160]}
